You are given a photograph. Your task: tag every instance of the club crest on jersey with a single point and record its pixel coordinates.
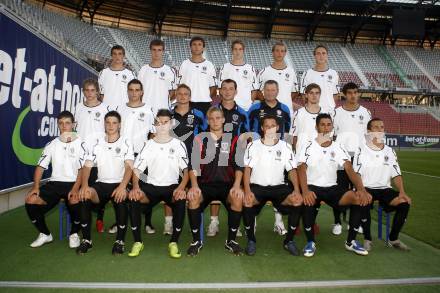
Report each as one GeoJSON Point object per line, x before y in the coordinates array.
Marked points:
{"type": "Point", "coordinates": [124, 77]}
{"type": "Point", "coordinates": [162, 73]}
{"type": "Point", "coordinates": [118, 150]}
{"type": "Point", "coordinates": [361, 117]}
{"type": "Point", "coordinates": [224, 147]}
{"type": "Point", "coordinates": [172, 151]}
{"type": "Point", "coordinates": [279, 112]}
{"type": "Point", "coordinates": [234, 117]}
{"type": "Point", "coordinates": [330, 77]}
{"type": "Point", "coordinates": [97, 114]}
{"type": "Point", "coordinates": [204, 68]}
{"type": "Point", "coordinates": [278, 155]}
{"type": "Point", "coordinates": [190, 119]}
{"type": "Point", "coordinates": [142, 115]}
{"type": "Point", "coordinates": [333, 155]}
{"type": "Point", "coordinates": [386, 159]}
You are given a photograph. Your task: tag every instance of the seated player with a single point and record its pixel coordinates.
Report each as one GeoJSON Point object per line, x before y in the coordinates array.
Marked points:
{"type": "Point", "coordinates": [65, 153]}
{"type": "Point", "coordinates": [318, 165]}
{"type": "Point", "coordinates": [165, 158]}
{"type": "Point", "coordinates": [113, 155]}
{"type": "Point", "coordinates": [265, 161]}
{"type": "Point", "coordinates": [215, 175]}
{"type": "Point", "coordinates": [377, 164]}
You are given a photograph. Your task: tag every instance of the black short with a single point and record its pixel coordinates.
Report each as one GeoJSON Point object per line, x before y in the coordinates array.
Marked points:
{"type": "Point", "coordinates": [53, 191]}
{"type": "Point", "coordinates": [201, 106]}
{"type": "Point", "coordinates": [276, 194]}
{"type": "Point", "coordinates": [214, 191]}
{"type": "Point", "coordinates": [156, 194]}
{"type": "Point", "coordinates": [104, 191]}
{"type": "Point", "coordinates": [93, 175]}
{"type": "Point", "coordinates": [385, 196]}
{"type": "Point", "coordinates": [330, 195]}
{"type": "Point", "coordinates": [343, 180]}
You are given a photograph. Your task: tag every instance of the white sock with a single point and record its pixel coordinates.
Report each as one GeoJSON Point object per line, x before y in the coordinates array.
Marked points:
{"type": "Point", "coordinates": [278, 218]}
{"type": "Point", "coordinates": [168, 219]}
{"type": "Point", "coordinates": [214, 219]}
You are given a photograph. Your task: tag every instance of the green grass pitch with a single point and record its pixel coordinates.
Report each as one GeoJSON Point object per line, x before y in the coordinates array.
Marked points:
{"type": "Point", "coordinates": [56, 262]}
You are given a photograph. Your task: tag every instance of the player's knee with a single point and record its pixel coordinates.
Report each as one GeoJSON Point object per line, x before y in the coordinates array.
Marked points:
{"type": "Point", "coordinates": [404, 206]}
{"type": "Point", "coordinates": [73, 201]}
{"type": "Point", "coordinates": [236, 204]}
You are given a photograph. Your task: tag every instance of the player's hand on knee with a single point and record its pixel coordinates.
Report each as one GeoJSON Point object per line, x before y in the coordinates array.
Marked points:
{"type": "Point", "coordinates": [236, 192]}
{"type": "Point", "coordinates": [403, 197]}
{"type": "Point", "coordinates": [249, 198]}
{"type": "Point", "coordinates": [85, 193]}
{"type": "Point", "coordinates": [194, 193]}
{"type": "Point", "coordinates": [34, 192]}
{"type": "Point", "coordinates": [73, 195]}
{"type": "Point", "coordinates": [135, 194]}
{"type": "Point", "coordinates": [119, 194]}
{"type": "Point", "coordinates": [296, 198]}
{"type": "Point", "coordinates": [179, 193]}
{"type": "Point", "coordinates": [364, 197]}
{"type": "Point", "coordinates": [309, 198]}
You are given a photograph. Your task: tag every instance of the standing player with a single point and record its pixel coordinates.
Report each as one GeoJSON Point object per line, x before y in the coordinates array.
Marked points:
{"type": "Point", "coordinates": [243, 74]}
{"type": "Point", "coordinates": [236, 122]}
{"type": "Point", "coordinates": [215, 174]}
{"type": "Point", "coordinates": [158, 79]}
{"type": "Point", "coordinates": [285, 77]}
{"type": "Point", "coordinates": [317, 169]}
{"type": "Point", "coordinates": [65, 153]}
{"type": "Point", "coordinates": [137, 124]}
{"type": "Point", "coordinates": [265, 161]}
{"type": "Point", "coordinates": [326, 78]}
{"type": "Point", "coordinates": [113, 155]}
{"type": "Point", "coordinates": [274, 108]}
{"type": "Point", "coordinates": [165, 158]}
{"type": "Point", "coordinates": [304, 120]}
{"type": "Point", "coordinates": [377, 164]}
{"type": "Point", "coordinates": [113, 80]}
{"type": "Point", "coordinates": [199, 74]}
{"type": "Point", "coordinates": [89, 119]}
{"type": "Point", "coordinates": [350, 124]}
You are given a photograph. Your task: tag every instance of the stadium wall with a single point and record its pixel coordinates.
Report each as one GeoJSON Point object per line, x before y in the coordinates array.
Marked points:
{"type": "Point", "coordinates": [37, 81]}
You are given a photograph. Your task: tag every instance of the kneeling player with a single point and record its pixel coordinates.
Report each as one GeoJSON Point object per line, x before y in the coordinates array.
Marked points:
{"type": "Point", "coordinates": [265, 161]}
{"type": "Point", "coordinates": [215, 175]}
{"type": "Point", "coordinates": [377, 164]}
{"type": "Point", "coordinates": [164, 157]}
{"type": "Point", "coordinates": [65, 153]}
{"type": "Point", "coordinates": [318, 165]}
{"type": "Point", "coordinates": [113, 155]}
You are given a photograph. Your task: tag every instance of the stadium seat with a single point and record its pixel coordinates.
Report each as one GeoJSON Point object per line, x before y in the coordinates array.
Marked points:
{"type": "Point", "coordinates": [380, 212]}
{"type": "Point", "coordinates": [64, 220]}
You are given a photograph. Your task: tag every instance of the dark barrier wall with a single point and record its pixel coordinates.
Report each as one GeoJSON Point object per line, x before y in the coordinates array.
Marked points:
{"type": "Point", "coordinates": [37, 81]}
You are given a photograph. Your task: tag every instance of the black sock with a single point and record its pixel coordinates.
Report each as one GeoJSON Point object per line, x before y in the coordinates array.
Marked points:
{"type": "Point", "coordinates": [100, 214]}
{"type": "Point", "coordinates": [366, 223]}
{"type": "Point", "coordinates": [148, 214]}
{"type": "Point", "coordinates": [194, 222]}
{"type": "Point", "coordinates": [354, 221]}
{"type": "Point", "coordinates": [85, 215]}
{"type": "Point", "coordinates": [309, 215]}
{"type": "Point", "coordinates": [293, 222]}
{"type": "Point", "coordinates": [74, 218]}
{"type": "Point", "coordinates": [337, 216]}
{"type": "Point", "coordinates": [178, 208]}
{"type": "Point", "coordinates": [399, 219]}
{"type": "Point", "coordinates": [121, 219]}
{"type": "Point", "coordinates": [135, 219]}
{"type": "Point", "coordinates": [234, 218]}
{"type": "Point", "coordinates": [249, 222]}
{"type": "Point", "coordinates": [36, 215]}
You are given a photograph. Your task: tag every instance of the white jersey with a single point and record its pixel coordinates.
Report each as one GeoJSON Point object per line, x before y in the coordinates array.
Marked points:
{"type": "Point", "coordinates": [136, 124]}
{"type": "Point", "coordinates": [90, 120]}
{"type": "Point", "coordinates": [157, 83]}
{"type": "Point", "coordinates": [268, 163]}
{"type": "Point", "coordinates": [350, 127]}
{"type": "Point", "coordinates": [322, 162]}
{"type": "Point", "coordinates": [376, 167]}
{"type": "Point", "coordinates": [164, 161]}
{"type": "Point", "coordinates": [304, 127]}
{"type": "Point", "coordinates": [66, 159]}
{"type": "Point", "coordinates": [246, 79]}
{"type": "Point", "coordinates": [199, 77]}
{"type": "Point", "coordinates": [110, 158]}
{"type": "Point", "coordinates": [287, 83]}
{"type": "Point", "coordinates": [328, 82]}
{"type": "Point", "coordinates": [113, 85]}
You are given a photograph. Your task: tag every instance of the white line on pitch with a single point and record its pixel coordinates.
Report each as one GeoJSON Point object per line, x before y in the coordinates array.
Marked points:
{"type": "Point", "coordinates": [421, 174]}
{"type": "Point", "coordinates": [248, 285]}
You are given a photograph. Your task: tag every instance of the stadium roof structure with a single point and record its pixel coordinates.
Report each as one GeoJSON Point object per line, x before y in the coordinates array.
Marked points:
{"type": "Point", "coordinates": [329, 20]}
